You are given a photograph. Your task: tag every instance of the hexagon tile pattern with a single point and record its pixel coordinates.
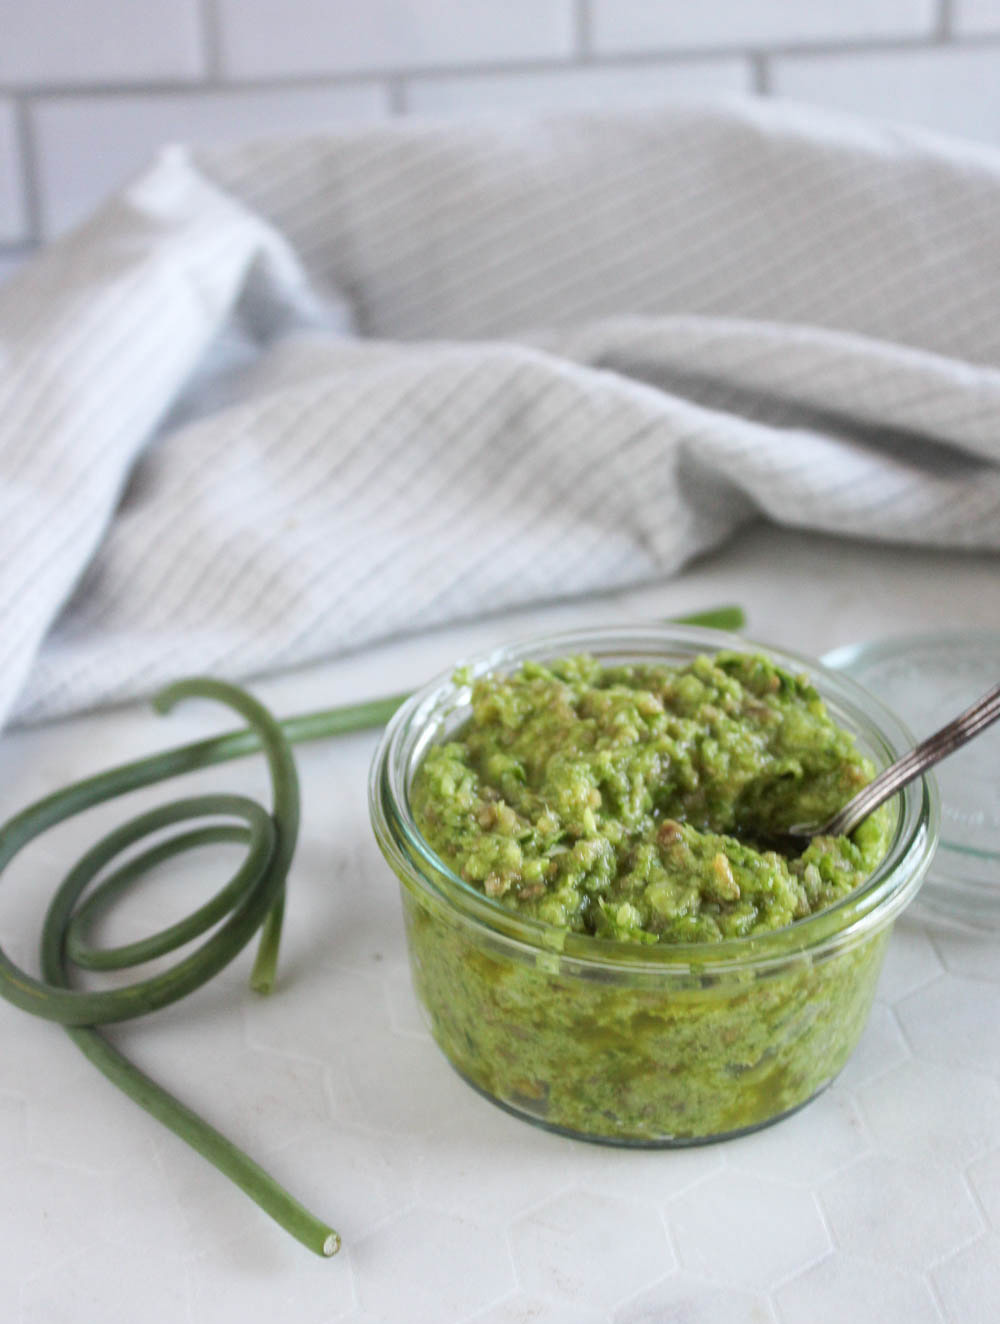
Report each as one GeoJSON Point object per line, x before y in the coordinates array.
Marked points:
{"type": "Point", "coordinates": [880, 1201]}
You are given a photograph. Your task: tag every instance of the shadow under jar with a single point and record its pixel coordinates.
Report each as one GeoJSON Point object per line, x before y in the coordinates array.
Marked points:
{"type": "Point", "coordinates": [656, 1045]}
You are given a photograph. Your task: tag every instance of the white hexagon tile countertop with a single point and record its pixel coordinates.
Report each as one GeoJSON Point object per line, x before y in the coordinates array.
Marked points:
{"type": "Point", "coordinates": [880, 1201]}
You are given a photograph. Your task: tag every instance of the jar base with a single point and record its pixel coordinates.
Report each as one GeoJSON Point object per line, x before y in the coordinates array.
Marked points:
{"type": "Point", "coordinates": [632, 1142]}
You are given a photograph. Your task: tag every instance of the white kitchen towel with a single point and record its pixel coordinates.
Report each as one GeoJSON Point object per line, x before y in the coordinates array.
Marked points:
{"type": "Point", "coordinates": [276, 401]}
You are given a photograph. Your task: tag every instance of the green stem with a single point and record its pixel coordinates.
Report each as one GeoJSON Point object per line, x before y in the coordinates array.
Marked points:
{"type": "Point", "coordinates": [265, 964]}
{"type": "Point", "coordinates": [718, 618]}
{"type": "Point", "coordinates": [249, 1176]}
{"type": "Point", "coordinates": [252, 899]}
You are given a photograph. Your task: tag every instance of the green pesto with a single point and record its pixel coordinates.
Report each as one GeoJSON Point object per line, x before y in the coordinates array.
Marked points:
{"type": "Point", "coordinates": [625, 801]}
{"type": "Point", "coordinates": [627, 1058]}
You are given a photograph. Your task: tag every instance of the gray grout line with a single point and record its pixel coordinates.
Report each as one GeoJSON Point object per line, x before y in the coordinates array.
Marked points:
{"type": "Point", "coordinates": [189, 86]}
{"type": "Point", "coordinates": [659, 56]}
{"type": "Point", "coordinates": [29, 170]}
{"type": "Point", "coordinates": [583, 29]}
{"type": "Point", "coordinates": [211, 39]}
{"type": "Point", "coordinates": [887, 45]}
{"type": "Point", "coordinates": [927, 1278]}
{"type": "Point", "coordinates": [760, 73]}
{"type": "Point", "coordinates": [946, 20]}
{"type": "Point", "coordinates": [395, 90]}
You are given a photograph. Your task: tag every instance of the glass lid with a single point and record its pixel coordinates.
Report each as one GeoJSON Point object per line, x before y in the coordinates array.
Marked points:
{"type": "Point", "coordinates": [928, 679]}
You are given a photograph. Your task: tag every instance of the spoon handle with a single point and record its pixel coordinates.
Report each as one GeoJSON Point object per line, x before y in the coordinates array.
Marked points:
{"type": "Point", "coordinates": [930, 751]}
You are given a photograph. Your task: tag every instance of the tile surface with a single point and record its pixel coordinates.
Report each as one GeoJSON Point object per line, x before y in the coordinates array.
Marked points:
{"type": "Point", "coordinates": [881, 1200]}
{"type": "Point", "coordinates": [275, 37]}
{"type": "Point", "coordinates": [88, 146]}
{"type": "Point", "coordinates": [951, 90]}
{"type": "Point", "coordinates": [927, 62]}
{"type": "Point", "coordinates": [844, 1287]}
{"type": "Point", "coordinates": [628, 25]}
{"type": "Point", "coordinates": [969, 1282]}
{"type": "Point", "coordinates": [92, 41]}
{"type": "Point", "coordinates": [575, 89]}
{"type": "Point", "coordinates": [747, 1231]}
{"type": "Point", "coordinates": [904, 1214]}
{"type": "Point", "coordinates": [976, 15]}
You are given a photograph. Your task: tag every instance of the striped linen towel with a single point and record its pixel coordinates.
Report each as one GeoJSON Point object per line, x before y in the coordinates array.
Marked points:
{"type": "Point", "coordinates": [276, 401]}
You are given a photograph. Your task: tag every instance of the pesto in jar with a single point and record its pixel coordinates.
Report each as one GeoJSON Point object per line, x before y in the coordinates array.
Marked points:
{"type": "Point", "coordinates": [630, 802]}
{"type": "Point", "coordinates": [634, 804]}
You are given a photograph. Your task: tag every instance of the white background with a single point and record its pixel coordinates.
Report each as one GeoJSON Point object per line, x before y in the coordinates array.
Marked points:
{"type": "Point", "coordinates": [90, 88]}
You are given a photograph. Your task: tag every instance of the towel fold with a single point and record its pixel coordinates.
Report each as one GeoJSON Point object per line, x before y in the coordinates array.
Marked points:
{"type": "Point", "coordinates": [280, 400]}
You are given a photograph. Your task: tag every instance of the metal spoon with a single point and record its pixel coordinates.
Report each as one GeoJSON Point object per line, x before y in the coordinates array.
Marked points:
{"type": "Point", "coordinates": [982, 714]}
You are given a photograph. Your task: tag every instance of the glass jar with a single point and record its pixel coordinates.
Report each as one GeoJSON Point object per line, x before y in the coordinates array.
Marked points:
{"type": "Point", "coordinates": [663, 1044]}
{"type": "Point", "coordinates": [928, 679]}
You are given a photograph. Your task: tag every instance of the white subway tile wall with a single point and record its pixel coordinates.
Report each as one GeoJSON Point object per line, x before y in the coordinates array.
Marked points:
{"type": "Point", "coordinates": [87, 146]}
{"type": "Point", "coordinates": [90, 88]}
{"type": "Point", "coordinates": [955, 91]}
{"type": "Point", "coordinates": [100, 41]}
{"type": "Point", "coordinates": [639, 25]}
{"type": "Point", "coordinates": [274, 37]}
{"type": "Point", "coordinates": [588, 87]}
{"type": "Point", "coordinates": [977, 16]}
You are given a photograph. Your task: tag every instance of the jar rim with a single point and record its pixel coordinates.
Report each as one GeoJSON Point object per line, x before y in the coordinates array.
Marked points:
{"type": "Point", "coordinates": [866, 909]}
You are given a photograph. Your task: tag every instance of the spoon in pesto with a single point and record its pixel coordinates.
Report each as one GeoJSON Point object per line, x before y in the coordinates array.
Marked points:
{"type": "Point", "coordinates": [983, 713]}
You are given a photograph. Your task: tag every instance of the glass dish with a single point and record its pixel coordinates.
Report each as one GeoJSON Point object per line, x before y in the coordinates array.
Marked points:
{"type": "Point", "coordinates": [629, 1044]}
{"type": "Point", "coordinates": [929, 679]}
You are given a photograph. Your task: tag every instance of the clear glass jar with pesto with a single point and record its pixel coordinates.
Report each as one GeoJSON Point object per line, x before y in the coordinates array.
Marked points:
{"type": "Point", "coordinates": [598, 935]}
